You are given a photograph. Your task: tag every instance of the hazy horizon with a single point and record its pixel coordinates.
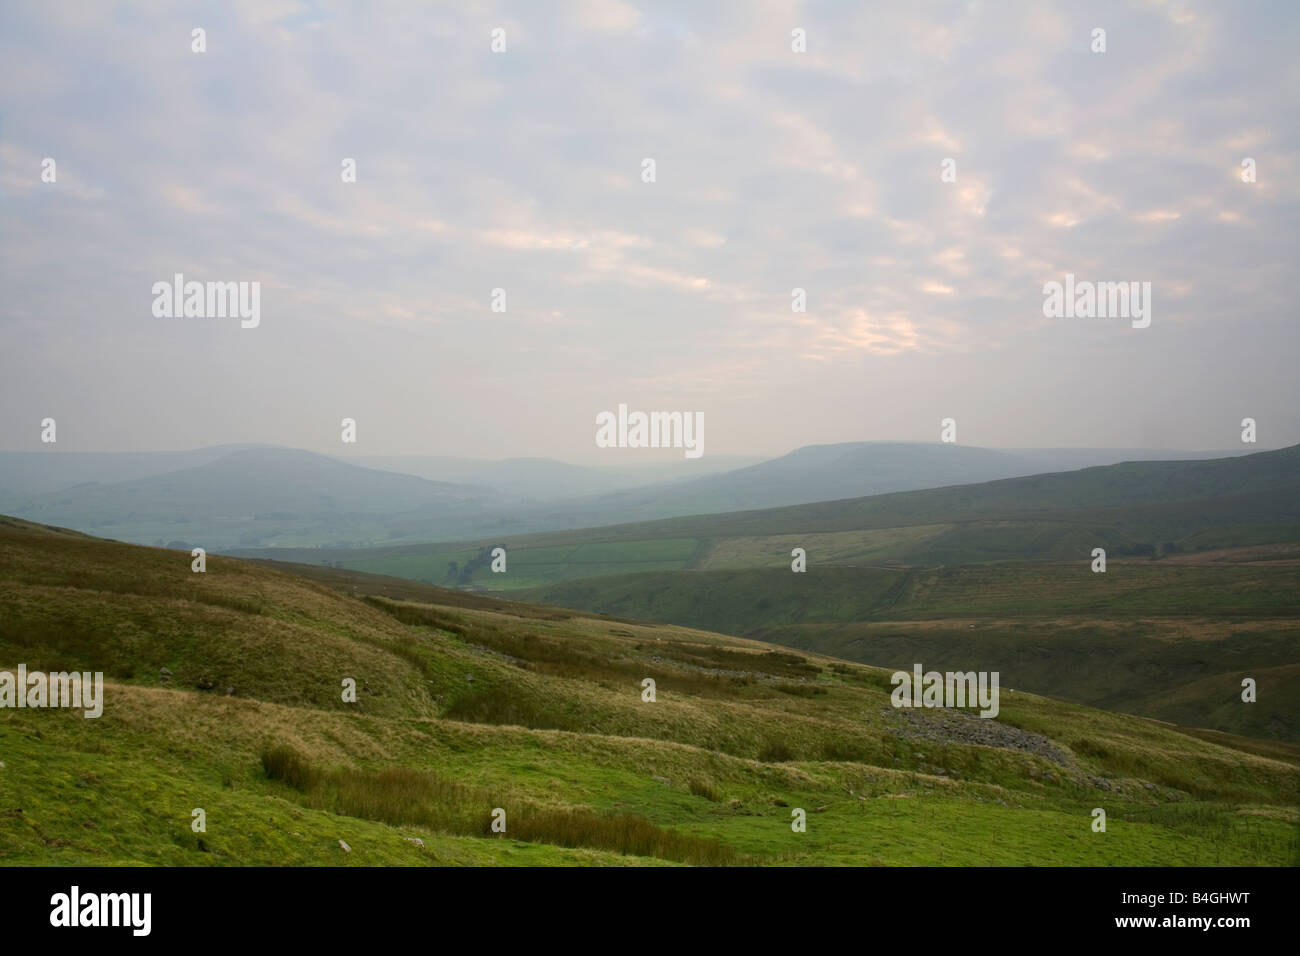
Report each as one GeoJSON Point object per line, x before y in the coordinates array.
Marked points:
{"type": "Point", "coordinates": [620, 458]}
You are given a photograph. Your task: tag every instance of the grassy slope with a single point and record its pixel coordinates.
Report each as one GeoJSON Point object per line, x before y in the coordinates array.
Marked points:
{"type": "Point", "coordinates": [552, 728]}
{"type": "Point", "coordinates": [1166, 640]}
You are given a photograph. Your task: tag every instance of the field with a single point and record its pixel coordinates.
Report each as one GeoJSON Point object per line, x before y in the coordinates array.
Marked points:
{"type": "Point", "coordinates": [527, 567]}
{"type": "Point", "coordinates": [467, 704]}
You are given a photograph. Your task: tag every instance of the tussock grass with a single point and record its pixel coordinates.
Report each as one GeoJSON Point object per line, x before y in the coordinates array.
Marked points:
{"type": "Point", "coordinates": [775, 751]}
{"type": "Point", "coordinates": [405, 796]}
{"type": "Point", "coordinates": [622, 833]}
{"type": "Point", "coordinates": [703, 787]}
{"type": "Point", "coordinates": [499, 705]}
{"type": "Point", "coordinates": [285, 764]}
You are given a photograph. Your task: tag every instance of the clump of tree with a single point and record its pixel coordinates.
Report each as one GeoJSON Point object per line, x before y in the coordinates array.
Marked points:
{"type": "Point", "coordinates": [464, 575]}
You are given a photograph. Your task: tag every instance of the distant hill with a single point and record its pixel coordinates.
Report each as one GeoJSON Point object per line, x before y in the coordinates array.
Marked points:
{"type": "Point", "coordinates": [1259, 488]}
{"type": "Point", "coordinates": [538, 495]}
{"type": "Point", "coordinates": [1134, 508]}
{"type": "Point", "coordinates": [247, 496]}
{"type": "Point", "coordinates": [819, 473]}
{"type": "Point", "coordinates": [857, 469]}
{"type": "Point", "coordinates": [277, 497]}
{"type": "Point", "coordinates": [24, 474]}
{"type": "Point", "coordinates": [544, 479]}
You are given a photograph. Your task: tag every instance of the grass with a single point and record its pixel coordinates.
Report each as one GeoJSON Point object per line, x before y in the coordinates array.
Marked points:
{"type": "Point", "coordinates": [1171, 641]}
{"type": "Point", "coordinates": [552, 729]}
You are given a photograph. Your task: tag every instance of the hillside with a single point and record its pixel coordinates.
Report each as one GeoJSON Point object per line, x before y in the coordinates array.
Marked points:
{"type": "Point", "coordinates": [240, 498]}
{"type": "Point", "coordinates": [1134, 508]}
{"type": "Point", "coordinates": [1163, 640]}
{"type": "Point", "coordinates": [1249, 488]}
{"type": "Point", "coordinates": [814, 473]}
{"type": "Point", "coordinates": [468, 703]}
{"type": "Point", "coordinates": [1204, 566]}
{"type": "Point", "coordinates": [853, 470]}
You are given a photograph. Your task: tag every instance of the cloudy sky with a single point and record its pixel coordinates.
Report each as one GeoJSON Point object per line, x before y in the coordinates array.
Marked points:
{"type": "Point", "coordinates": [522, 170]}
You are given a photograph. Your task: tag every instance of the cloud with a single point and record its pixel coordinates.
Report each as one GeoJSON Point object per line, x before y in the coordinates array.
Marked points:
{"type": "Point", "coordinates": [522, 171]}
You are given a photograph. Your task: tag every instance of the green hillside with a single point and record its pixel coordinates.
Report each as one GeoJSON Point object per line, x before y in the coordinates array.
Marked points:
{"type": "Point", "coordinates": [1201, 586]}
{"type": "Point", "coordinates": [1136, 508]}
{"type": "Point", "coordinates": [466, 704]}
{"type": "Point", "coordinates": [1158, 638]}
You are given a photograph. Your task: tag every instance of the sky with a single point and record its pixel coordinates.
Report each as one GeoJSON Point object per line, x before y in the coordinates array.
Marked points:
{"type": "Point", "coordinates": [523, 170]}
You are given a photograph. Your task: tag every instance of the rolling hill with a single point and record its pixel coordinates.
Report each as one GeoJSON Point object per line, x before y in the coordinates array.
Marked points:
{"type": "Point", "coordinates": [544, 479]}
{"type": "Point", "coordinates": [857, 469]}
{"type": "Point", "coordinates": [241, 497]}
{"type": "Point", "coordinates": [251, 495]}
{"type": "Point", "coordinates": [1133, 508]}
{"type": "Point", "coordinates": [27, 474]}
{"type": "Point", "coordinates": [1200, 591]}
{"type": "Point", "coordinates": [1168, 641]}
{"type": "Point", "coordinates": [222, 694]}
{"type": "Point", "coordinates": [815, 473]}
{"type": "Point", "coordinates": [1204, 566]}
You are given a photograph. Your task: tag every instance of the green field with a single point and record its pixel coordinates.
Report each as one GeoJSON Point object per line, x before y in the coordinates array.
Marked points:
{"type": "Point", "coordinates": [553, 730]}
{"type": "Point", "coordinates": [527, 567]}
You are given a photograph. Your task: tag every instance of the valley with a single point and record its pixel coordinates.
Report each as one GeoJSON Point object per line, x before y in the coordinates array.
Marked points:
{"type": "Point", "coordinates": [468, 703]}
